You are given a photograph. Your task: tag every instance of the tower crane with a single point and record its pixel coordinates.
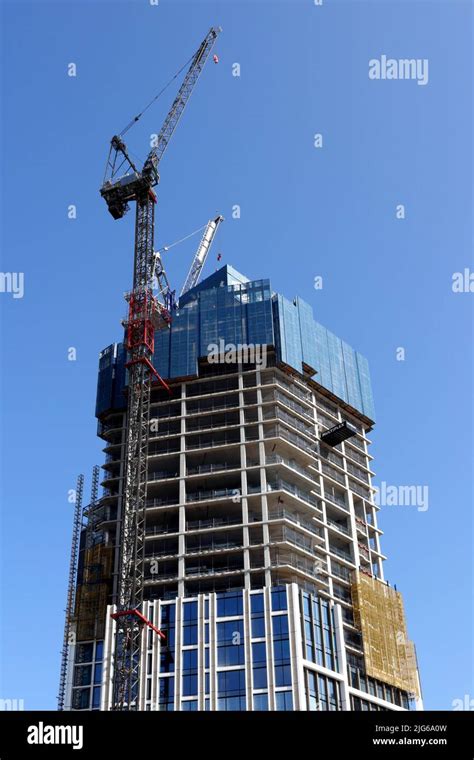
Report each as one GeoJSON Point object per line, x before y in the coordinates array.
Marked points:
{"type": "Point", "coordinates": [146, 313]}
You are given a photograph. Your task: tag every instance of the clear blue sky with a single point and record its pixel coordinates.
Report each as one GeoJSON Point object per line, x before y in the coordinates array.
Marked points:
{"type": "Point", "coordinates": [305, 212]}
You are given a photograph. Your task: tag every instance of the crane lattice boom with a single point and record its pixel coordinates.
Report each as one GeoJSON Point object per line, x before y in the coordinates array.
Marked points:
{"type": "Point", "coordinates": [201, 254]}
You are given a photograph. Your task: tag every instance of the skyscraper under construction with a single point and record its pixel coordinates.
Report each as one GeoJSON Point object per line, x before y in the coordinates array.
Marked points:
{"type": "Point", "coordinates": [233, 560]}
{"type": "Point", "coordinates": [263, 580]}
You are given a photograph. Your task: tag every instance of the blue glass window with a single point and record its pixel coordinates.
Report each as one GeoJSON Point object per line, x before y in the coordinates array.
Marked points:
{"type": "Point", "coordinates": [190, 612]}
{"type": "Point", "coordinates": [189, 705]}
{"type": "Point", "coordinates": [280, 626]}
{"type": "Point", "coordinates": [332, 694]}
{"type": "Point", "coordinates": [352, 377]}
{"type": "Point", "coordinates": [231, 690]}
{"type": "Point", "coordinates": [257, 616]}
{"type": "Point", "coordinates": [96, 697]}
{"type": "Point", "coordinates": [99, 650]}
{"type": "Point", "coordinates": [230, 643]}
{"type": "Point", "coordinates": [306, 606]}
{"type": "Point", "coordinates": [167, 624]}
{"type": "Point", "coordinates": [81, 699]}
{"type": "Point", "coordinates": [190, 667]}
{"type": "Point", "coordinates": [288, 328]}
{"type": "Point", "coordinates": [166, 661]}
{"type": "Point", "coordinates": [230, 632]}
{"type": "Point", "coordinates": [260, 702]}
{"type": "Point", "coordinates": [82, 675]}
{"type": "Point", "coordinates": [230, 655]}
{"type": "Point", "coordinates": [190, 635]}
{"type": "Point", "coordinates": [282, 675]}
{"type": "Point", "coordinates": [231, 703]}
{"type": "Point", "coordinates": [258, 627]}
{"type": "Point", "coordinates": [284, 700]}
{"type": "Point", "coordinates": [325, 613]}
{"type": "Point", "coordinates": [190, 660]}
{"type": "Point", "coordinates": [260, 678]}
{"type": "Point", "coordinates": [316, 612]}
{"type": "Point", "coordinates": [190, 685]}
{"type": "Point", "coordinates": [256, 603]}
{"type": "Point", "coordinates": [312, 691]}
{"type": "Point", "coordinates": [168, 614]}
{"type": "Point", "coordinates": [229, 605]}
{"type": "Point", "coordinates": [231, 683]}
{"type": "Point", "coordinates": [279, 601]}
{"type": "Point", "coordinates": [281, 649]}
{"type": "Point", "coordinates": [259, 654]}
{"type": "Point", "coordinates": [84, 652]}
{"type": "Point", "coordinates": [319, 633]}
{"type": "Point", "coordinates": [166, 693]}
{"type": "Point", "coordinates": [323, 693]}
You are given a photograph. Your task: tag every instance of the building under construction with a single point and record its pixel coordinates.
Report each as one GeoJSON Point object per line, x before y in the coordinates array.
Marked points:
{"type": "Point", "coordinates": [233, 558]}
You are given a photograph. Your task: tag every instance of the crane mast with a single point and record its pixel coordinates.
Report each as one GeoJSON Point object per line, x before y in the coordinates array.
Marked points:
{"type": "Point", "coordinates": [146, 313]}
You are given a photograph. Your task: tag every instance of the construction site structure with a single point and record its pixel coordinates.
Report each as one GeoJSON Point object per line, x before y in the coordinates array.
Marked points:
{"type": "Point", "coordinates": [237, 499]}
{"type": "Point", "coordinates": [146, 314]}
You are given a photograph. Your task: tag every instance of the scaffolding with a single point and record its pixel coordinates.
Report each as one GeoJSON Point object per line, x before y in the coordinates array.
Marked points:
{"type": "Point", "coordinates": [92, 513]}
{"type": "Point", "coordinates": [388, 654]}
{"type": "Point", "coordinates": [92, 593]}
{"type": "Point", "coordinates": [69, 612]}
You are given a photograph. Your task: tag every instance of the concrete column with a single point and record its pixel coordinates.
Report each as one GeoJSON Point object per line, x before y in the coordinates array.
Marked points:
{"type": "Point", "coordinates": [269, 642]}
{"type": "Point", "coordinates": [156, 657]}
{"type": "Point", "coordinates": [108, 661]}
{"type": "Point", "coordinates": [296, 648]}
{"type": "Point", "coordinates": [212, 652]}
{"type": "Point", "coordinates": [182, 495]}
{"type": "Point", "coordinates": [341, 656]}
{"type": "Point", "coordinates": [200, 651]}
{"type": "Point", "coordinates": [247, 648]}
{"type": "Point", "coordinates": [179, 649]}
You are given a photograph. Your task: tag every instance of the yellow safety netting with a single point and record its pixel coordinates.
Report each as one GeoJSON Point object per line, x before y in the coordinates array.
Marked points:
{"type": "Point", "coordinates": [92, 593]}
{"type": "Point", "coordinates": [389, 655]}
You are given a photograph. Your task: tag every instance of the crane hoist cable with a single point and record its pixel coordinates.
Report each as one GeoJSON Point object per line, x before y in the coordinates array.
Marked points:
{"type": "Point", "coordinates": [181, 240]}
{"type": "Point", "coordinates": [139, 115]}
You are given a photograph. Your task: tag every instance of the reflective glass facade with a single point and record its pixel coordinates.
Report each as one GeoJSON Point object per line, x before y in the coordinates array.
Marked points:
{"type": "Point", "coordinates": [227, 307]}
{"type": "Point", "coordinates": [302, 341]}
{"type": "Point", "coordinates": [237, 650]}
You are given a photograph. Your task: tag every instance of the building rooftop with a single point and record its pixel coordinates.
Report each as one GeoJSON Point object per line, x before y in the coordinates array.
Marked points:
{"type": "Point", "coordinates": [228, 307]}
